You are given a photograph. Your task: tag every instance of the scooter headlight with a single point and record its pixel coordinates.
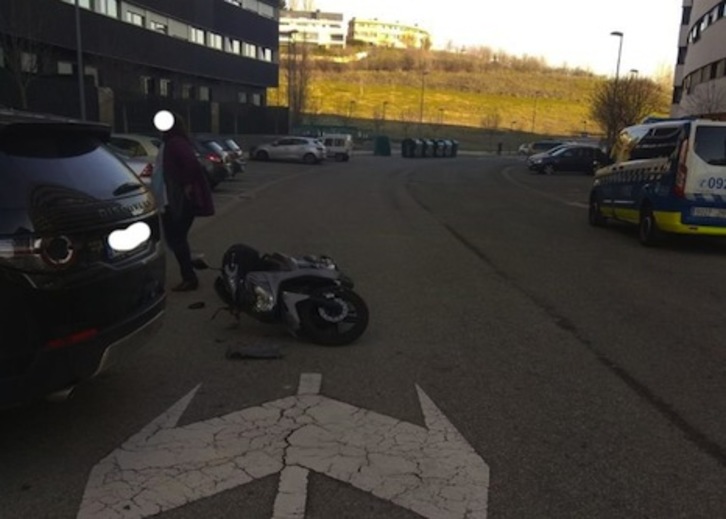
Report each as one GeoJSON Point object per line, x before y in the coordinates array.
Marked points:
{"type": "Point", "coordinates": [264, 300]}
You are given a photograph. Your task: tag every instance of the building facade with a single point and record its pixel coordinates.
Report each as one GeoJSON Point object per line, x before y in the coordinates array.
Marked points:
{"type": "Point", "coordinates": [208, 59]}
{"type": "Point", "coordinates": [387, 34]}
{"type": "Point", "coordinates": [700, 74]}
{"type": "Point", "coordinates": [312, 27]}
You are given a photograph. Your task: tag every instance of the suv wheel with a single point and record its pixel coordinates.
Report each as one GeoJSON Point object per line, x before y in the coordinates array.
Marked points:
{"type": "Point", "coordinates": [594, 216]}
{"type": "Point", "coordinates": [648, 231]}
{"type": "Point", "coordinates": [262, 155]}
{"type": "Point", "coordinates": [310, 158]}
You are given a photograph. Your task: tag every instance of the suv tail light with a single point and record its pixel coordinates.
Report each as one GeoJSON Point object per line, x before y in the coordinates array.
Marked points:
{"type": "Point", "coordinates": [147, 171]}
{"type": "Point", "coordinates": [70, 340]}
{"type": "Point", "coordinates": [679, 189]}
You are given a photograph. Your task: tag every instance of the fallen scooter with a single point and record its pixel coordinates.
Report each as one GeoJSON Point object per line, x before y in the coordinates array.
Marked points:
{"type": "Point", "coordinates": [309, 294]}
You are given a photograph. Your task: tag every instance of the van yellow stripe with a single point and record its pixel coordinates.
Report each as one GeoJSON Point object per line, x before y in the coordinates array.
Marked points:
{"type": "Point", "coordinates": [670, 221]}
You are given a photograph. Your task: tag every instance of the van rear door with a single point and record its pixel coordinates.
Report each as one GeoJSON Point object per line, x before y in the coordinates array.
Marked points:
{"type": "Point", "coordinates": [706, 163]}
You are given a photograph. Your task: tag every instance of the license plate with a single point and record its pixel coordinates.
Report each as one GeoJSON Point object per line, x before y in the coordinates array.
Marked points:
{"type": "Point", "coordinates": [708, 212]}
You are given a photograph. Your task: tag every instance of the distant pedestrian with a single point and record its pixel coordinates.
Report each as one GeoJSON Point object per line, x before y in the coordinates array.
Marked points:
{"type": "Point", "coordinates": [187, 196]}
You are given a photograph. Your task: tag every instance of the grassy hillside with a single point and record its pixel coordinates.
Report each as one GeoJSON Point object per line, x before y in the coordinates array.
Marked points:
{"type": "Point", "coordinates": [489, 102]}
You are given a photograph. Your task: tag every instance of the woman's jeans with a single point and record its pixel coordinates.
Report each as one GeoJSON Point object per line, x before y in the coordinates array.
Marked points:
{"type": "Point", "coordinates": [177, 237]}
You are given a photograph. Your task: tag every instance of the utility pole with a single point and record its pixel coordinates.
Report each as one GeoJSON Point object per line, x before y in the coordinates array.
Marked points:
{"type": "Point", "coordinates": [81, 68]}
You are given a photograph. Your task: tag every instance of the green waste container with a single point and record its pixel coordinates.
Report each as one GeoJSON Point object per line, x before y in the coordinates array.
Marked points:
{"type": "Point", "coordinates": [408, 148]}
{"type": "Point", "coordinates": [382, 146]}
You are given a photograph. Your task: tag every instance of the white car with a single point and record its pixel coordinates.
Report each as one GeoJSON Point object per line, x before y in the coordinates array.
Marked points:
{"type": "Point", "coordinates": [136, 145]}
{"type": "Point", "coordinates": [306, 149]}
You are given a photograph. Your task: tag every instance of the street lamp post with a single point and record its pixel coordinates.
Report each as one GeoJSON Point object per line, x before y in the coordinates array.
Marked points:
{"type": "Point", "coordinates": [423, 89]}
{"type": "Point", "coordinates": [291, 71]}
{"type": "Point", "coordinates": [534, 111]}
{"type": "Point", "coordinates": [620, 52]}
{"type": "Point", "coordinates": [383, 112]}
{"type": "Point", "coordinates": [81, 68]}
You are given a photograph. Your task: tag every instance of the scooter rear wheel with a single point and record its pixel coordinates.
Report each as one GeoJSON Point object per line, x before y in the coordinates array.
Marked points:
{"type": "Point", "coordinates": [333, 316]}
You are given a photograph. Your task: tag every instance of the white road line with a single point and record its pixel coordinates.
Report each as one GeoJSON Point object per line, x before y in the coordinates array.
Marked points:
{"type": "Point", "coordinates": [292, 494]}
{"type": "Point", "coordinates": [310, 384]}
{"type": "Point", "coordinates": [536, 191]}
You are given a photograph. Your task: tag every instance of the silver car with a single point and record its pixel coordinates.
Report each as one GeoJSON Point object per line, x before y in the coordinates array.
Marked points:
{"type": "Point", "coordinates": [305, 149]}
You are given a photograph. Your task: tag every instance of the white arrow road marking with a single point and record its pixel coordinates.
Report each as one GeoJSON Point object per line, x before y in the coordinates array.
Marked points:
{"type": "Point", "coordinates": [429, 470]}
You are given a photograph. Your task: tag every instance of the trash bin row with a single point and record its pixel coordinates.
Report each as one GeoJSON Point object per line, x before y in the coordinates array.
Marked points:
{"type": "Point", "coordinates": [429, 148]}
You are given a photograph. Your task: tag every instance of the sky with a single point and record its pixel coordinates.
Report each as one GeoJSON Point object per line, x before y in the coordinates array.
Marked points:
{"type": "Point", "coordinates": [575, 33]}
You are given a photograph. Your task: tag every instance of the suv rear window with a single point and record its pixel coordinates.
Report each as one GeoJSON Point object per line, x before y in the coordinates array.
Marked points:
{"type": "Point", "coordinates": [710, 144]}
{"type": "Point", "coordinates": [74, 162]}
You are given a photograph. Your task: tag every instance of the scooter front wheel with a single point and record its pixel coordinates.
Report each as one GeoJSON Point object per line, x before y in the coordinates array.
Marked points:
{"type": "Point", "coordinates": [333, 316]}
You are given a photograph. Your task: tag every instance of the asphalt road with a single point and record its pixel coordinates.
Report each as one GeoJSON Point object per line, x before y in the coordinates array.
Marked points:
{"type": "Point", "coordinates": [575, 373]}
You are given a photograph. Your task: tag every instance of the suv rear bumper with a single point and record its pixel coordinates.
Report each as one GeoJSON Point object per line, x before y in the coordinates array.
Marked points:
{"type": "Point", "coordinates": [57, 369]}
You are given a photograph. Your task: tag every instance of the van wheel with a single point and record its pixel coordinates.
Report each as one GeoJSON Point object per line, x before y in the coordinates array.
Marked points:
{"type": "Point", "coordinates": [648, 231]}
{"type": "Point", "coordinates": [594, 215]}
{"type": "Point", "coordinates": [339, 157]}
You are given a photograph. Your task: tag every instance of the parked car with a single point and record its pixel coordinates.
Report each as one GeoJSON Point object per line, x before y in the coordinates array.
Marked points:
{"type": "Point", "coordinates": [237, 156]}
{"type": "Point", "coordinates": [338, 146]}
{"type": "Point", "coordinates": [573, 157]}
{"type": "Point", "coordinates": [305, 149]}
{"type": "Point", "coordinates": [136, 145]}
{"type": "Point", "coordinates": [539, 146]}
{"type": "Point", "coordinates": [142, 166]}
{"type": "Point", "coordinates": [214, 159]}
{"type": "Point", "coordinates": [82, 263]}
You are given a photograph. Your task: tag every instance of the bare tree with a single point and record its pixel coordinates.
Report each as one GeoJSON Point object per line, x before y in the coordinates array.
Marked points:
{"type": "Point", "coordinates": [706, 99]}
{"type": "Point", "coordinates": [491, 120]}
{"type": "Point", "coordinates": [623, 102]}
{"type": "Point", "coordinates": [299, 72]}
{"type": "Point", "coordinates": [20, 32]}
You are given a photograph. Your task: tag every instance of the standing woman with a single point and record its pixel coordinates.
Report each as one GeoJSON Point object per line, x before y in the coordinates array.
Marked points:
{"type": "Point", "coordinates": [187, 196]}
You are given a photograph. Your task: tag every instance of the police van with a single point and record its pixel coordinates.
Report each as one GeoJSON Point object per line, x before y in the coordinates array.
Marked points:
{"type": "Point", "coordinates": [666, 177]}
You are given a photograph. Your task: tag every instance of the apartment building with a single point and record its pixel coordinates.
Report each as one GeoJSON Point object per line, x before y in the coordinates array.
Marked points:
{"type": "Point", "coordinates": [204, 58]}
{"type": "Point", "coordinates": [387, 34]}
{"type": "Point", "coordinates": [700, 74]}
{"type": "Point", "coordinates": [313, 28]}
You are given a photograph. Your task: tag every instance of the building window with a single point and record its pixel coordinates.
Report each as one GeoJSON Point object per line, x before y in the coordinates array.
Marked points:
{"type": "Point", "coordinates": [249, 50]}
{"type": "Point", "coordinates": [187, 91]}
{"type": "Point", "coordinates": [256, 99]}
{"type": "Point", "coordinates": [158, 27]}
{"type": "Point", "coordinates": [165, 88]}
{"type": "Point", "coordinates": [232, 45]}
{"type": "Point", "coordinates": [204, 93]}
{"type": "Point", "coordinates": [214, 41]}
{"type": "Point", "coordinates": [92, 72]}
{"type": "Point", "coordinates": [29, 62]}
{"type": "Point", "coordinates": [234, 2]}
{"type": "Point", "coordinates": [682, 55]}
{"type": "Point", "coordinates": [242, 97]}
{"type": "Point", "coordinates": [721, 68]}
{"type": "Point", "coordinates": [148, 85]}
{"type": "Point", "coordinates": [65, 68]}
{"type": "Point", "coordinates": [686, 19]}
{"type": "Point", "coordinates": [196, 35]}
{"type": "Point", "coordinates": [107, 7]}
{"type": "Point", "coordinates": [135, 18]}
{"type": "Point", "coordinates": [677, 95]}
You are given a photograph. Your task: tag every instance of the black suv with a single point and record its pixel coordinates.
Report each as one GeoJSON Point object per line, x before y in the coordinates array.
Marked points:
{"type": "Point", "coordinates": [82, 262]}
